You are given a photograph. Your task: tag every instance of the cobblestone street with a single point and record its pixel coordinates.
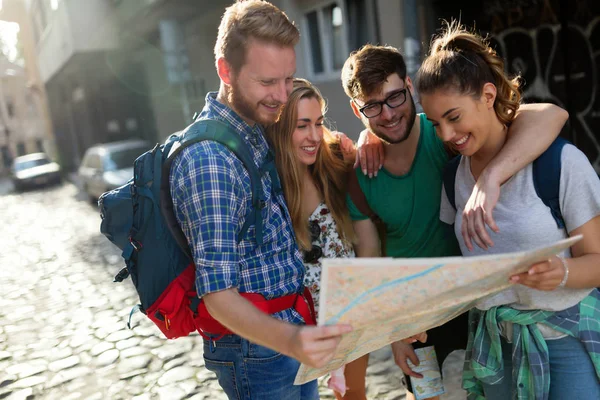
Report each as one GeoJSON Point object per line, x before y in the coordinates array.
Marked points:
{"type": "Point", "coordinates": [63, 332]}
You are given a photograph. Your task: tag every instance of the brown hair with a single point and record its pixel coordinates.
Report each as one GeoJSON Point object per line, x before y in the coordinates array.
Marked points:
{"type": "Point", "coordinates": [366, 69]}
{"type": "Point", "coordinates": [328, 172]}
{"type": "Point", "coordinates": [464, 61]}
{"type": "Point", "coordinates": [252, 19]}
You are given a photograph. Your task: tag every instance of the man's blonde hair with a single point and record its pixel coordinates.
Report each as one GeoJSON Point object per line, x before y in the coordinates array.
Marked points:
{"type": "Point", "coordinates": [252, 19]}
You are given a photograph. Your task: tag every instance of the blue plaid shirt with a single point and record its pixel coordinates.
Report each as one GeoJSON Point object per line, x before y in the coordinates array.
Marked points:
{"type": "Point", "coordinates": [211, 193]}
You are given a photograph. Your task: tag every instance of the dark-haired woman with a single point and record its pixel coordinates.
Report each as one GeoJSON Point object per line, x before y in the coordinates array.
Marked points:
{"type": "Point", "coordinates": [540, 338]}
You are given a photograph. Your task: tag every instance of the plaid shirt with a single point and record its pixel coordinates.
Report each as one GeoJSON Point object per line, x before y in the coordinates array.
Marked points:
{"type": "Point", "coordinates": [211, 194]}
{"type": "Point", "coordinates": [531, 371]}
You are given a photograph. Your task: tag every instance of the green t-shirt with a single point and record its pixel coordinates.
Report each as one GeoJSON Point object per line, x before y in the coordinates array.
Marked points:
{"type": "Point", "coordinates": [409, 205]}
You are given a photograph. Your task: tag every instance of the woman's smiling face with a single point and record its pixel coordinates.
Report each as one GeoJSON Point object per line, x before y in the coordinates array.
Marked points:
{"type": "Point", "coordinates": [308, 135]}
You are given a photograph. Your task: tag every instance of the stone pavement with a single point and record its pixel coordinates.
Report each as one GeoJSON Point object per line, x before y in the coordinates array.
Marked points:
{"type": "Point", "coordinates": [63, 331]}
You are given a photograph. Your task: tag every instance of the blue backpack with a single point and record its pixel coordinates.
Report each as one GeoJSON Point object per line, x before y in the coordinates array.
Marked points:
{"type": "Point", "coordinates": [139, 218]}
{"type": "Point", "coordinates": [546, 178]}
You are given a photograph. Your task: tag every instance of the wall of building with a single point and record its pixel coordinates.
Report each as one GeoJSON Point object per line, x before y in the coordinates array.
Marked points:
{"type": "Point", "coordinates": [55, 45]}
{"type": "Point", "coordinates": [75, 26]}
{"type": "Point", "coordinates": [339, 113]}
{"type": "Point", "coordinates": [555, 46]}
{"type": "Point", "coordinates": [22, 125]}
{"type": "Point", "coordinates": [93, 25]}
{"type": "Point", "coordinates": [390, 22]}
{"type": "Point", "coordinates": [29, 128]}
{"type": "Point", "coordinates": [166, 99]}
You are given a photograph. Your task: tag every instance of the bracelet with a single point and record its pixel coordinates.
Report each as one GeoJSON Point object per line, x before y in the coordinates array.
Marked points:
{"type": "Point", "coordinates": [566, 267]}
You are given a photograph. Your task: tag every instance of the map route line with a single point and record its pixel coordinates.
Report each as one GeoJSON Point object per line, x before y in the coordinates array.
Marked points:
{"type": "Point", "coordinates": [378, 290]}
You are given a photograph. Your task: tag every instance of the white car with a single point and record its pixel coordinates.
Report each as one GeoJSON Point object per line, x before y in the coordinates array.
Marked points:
{"type": "Point", "coordinates": [34, 170]}
{"type": "Point", "coordinates": [110, 165]}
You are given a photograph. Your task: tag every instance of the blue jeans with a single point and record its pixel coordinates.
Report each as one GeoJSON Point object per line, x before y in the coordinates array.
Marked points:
{"type": "Point", "coordinates": [248, 371]}
{"type": "Point", "coordinates": [572, 373]}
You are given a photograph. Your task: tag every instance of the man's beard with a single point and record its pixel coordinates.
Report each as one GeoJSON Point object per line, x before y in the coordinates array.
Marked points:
{"type": "Point", "coordinates": [411, 121]}
{"type": "Point", "coordinates": [246, 109]}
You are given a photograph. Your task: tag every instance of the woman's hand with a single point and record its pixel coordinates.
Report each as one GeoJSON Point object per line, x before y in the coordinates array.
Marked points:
{"type": "Point", "coordinates": [369, 153]}
{"type": "Point", "coordinates": [478, 212]}
{"type": "Point", "coordinates": [546, 275]}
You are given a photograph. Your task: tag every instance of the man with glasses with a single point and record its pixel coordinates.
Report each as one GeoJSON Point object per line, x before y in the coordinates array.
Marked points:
{"type": "Point", "coordinates": [406, 193]}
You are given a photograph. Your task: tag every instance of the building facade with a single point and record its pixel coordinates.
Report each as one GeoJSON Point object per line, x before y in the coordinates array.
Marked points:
{"type": "Point", "coordinates": [555, 46]}
{"type": "Point", "coordinates": [25, 125]}
{"type": "Point", "coordinates": [94, 96]}
{"type": "Point", "coordinates": [115, 69]}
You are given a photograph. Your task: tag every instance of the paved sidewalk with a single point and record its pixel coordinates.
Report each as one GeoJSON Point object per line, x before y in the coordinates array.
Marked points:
{"type": "Point", "coordinates": [63, 331]}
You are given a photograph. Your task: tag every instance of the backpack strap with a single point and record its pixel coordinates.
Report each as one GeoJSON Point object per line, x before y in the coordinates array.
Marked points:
{"type": "Point", "coordinates": [220, 132]}
{"type": "Point", "coordinates": [546, 178]}
{"type": "Point", "coordinates": [449, 179]}
{"type": "Point", "coordinates": [269, 167]}
{"type": "Point", "coordinates": [358, 197]}
{"type": "Point", "coordinates": [360, 201]}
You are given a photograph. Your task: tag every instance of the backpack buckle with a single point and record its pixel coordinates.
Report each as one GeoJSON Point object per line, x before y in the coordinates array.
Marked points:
{"type": "Point", "coordinates": [135, 244]}
{"type": "Point", "coordinates": [122, 275]}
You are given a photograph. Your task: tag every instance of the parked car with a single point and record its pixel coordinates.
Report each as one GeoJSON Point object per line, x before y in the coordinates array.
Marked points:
{"type": "Point", "coordinates": [34, 170]}
{"type": "Point", "coordinates": [107, 166]}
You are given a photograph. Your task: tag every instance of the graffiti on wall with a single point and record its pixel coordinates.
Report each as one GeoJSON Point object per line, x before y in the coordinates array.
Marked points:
{"type": "Point", "coordinates": [539, 55]}
{"type": "Point", "coordinates": [556, 66]}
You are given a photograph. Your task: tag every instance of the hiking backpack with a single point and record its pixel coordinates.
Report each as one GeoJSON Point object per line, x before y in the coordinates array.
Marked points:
{"type": "Point", "coordinates": [139, 218]}
{"type": "Point", "coordinates": [546, 178]}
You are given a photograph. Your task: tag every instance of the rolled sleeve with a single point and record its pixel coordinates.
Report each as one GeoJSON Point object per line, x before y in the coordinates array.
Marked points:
{"type": "Point", "coordinates": [579, 189]}
{"type": "Point", "coordinates": [209, 198]}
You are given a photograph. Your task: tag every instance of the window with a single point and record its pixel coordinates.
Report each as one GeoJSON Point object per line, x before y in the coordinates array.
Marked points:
{"type": "Point", "coordinates": [20, 149]}
{"type": "Point", "coordinates": [334, 22]}
{"type": "Point", "coordinates": [39, 13]}
{"type": "Point", "coordinates": [315, 42]}
{"type": "Point", "coordinates": [6, 158]}
{"type": "Point", "coordinates": [93, 161]}
{"type": "Point", "coordinates": [361, 20]}
{"type": "Point", "coordinates": [10, 108]}
{"type": "Point", "coordinates": [334, 30]}
{"type": "Point", "coordinates": [122, 158]}
{"type": "Point", "coordinates": [28, 164]}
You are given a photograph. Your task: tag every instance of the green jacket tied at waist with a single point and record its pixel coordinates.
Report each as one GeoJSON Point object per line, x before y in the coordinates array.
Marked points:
{"type": "Point", "coordinates": [531, 371]}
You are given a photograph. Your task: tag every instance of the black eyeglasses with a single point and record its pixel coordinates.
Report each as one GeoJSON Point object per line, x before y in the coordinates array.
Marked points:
{"type": "Point", "coordinates": [316, 252]}
{"type": "Point", "coordinates": [375, 108]}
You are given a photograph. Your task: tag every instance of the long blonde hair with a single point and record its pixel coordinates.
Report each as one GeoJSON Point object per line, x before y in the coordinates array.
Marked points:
{"type": "Point", "coordinates": [464, 61]}
{"type": "Point", "coordinates": [328, 171]}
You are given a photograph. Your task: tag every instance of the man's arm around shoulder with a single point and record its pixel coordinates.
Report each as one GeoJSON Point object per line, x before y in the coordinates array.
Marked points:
{"type": "Point", "coordinates": [534, 129]}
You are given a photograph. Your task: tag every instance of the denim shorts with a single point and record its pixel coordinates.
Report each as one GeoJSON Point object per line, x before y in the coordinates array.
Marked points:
{"type": "Point", "coordinates": [249, 371]}
{"type": "Point", "coordinates": [572, 373]}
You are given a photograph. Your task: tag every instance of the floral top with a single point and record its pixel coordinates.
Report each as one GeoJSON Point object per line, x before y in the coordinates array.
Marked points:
{"type": "Point", "coordinates": [329, 244]}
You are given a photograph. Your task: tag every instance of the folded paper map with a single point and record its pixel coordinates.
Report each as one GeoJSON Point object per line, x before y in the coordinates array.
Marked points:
{"type": "Point", "coordinates": [430, 385]}
{"type": "Point", "coordinates": [387, 299]}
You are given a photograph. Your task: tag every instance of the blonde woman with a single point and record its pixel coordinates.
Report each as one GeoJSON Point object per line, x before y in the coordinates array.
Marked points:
{"type": "Point", "coordinates": [312, 163]}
